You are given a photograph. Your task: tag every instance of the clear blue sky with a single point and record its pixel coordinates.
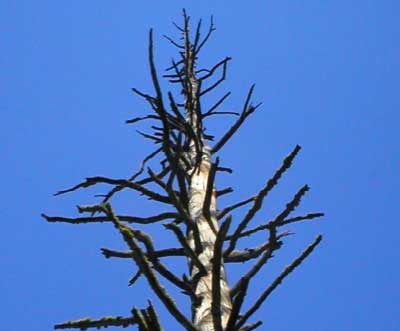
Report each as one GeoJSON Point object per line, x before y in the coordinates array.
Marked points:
{"type": "Point", "coordinates": [327, 73]}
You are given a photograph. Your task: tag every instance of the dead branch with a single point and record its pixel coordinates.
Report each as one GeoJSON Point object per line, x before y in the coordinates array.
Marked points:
{"type": "Point", "coordinates": [248, 109]}
{"type": "Point", "coordinates": [237, 305]}
{"type": "Point", "coordinates": [168, 252]}
{"type": "Point", "coordinates": [258, 200]}
{"type": "Point", "coordinates": [90, 181]}
{"type": "Point", "coordinates": [278, 280]}
{"type": "Point", "coordinates": [105, 322]}
{"type": "Point", "coordinates": [140, 259]}
{"type": "Point", "coordinates": [227, 210]}
{"type": "Point", "coordinates": [135, 277]}
{"type": "Point", "coordinates": [186, 247]}
{"type": "Point", "coordinates": [100, 219]}
{"type": "Point", "coordinates": [219, 81]}
{"type": "Point", "coordinates": [137, 119]}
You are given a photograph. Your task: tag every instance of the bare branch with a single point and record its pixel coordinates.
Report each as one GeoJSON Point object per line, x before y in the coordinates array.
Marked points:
{"type": "Point", "coordinates": [108, 253]}
{"type": "Point", "coordinates": [140, 259]}
{"type": "Point", "coordinates": [258, 200]}
{"type": "Point", "coordinates": [237, 305]}
{"type": "Point", "coordinates": [227, 210]}
{"type": "Point", "coordinates": [105, 322]}
{"type": "Point", "coordinates": [186, 247]}
{"type": "Point", "coordinates": [223, 191]}
{"type": "Point", "coordinates": [173, 42]}
{"type": "Point", "coordinates": [309, 216]}
{"type": "Point", "coordinates": [219, 81]}
{"type": "Point", "coordinates": [247, 110]}
{"type": "Point", "coordinates": [278, 280]}
{"type": "Point", "coordinates": [137, 119]}
{"type": "Point", "coordinates": [135, 277]}
{"type": "Point", "coordinates": [210, 31]}
{"type": "Point", "coordinates": [219, 102]}
{"type": "Point", "coordinates": [252, 326]}
{"type": "Point", "coordinates": [123, 218]}
{"type": "Point", "coordinates": [90, 181]}
{"type": "Point", "coordinates": [212, 70]}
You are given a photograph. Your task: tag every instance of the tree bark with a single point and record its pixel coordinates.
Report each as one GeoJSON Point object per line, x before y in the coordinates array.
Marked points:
{"type": "Point", "coordinates": [202, 316]}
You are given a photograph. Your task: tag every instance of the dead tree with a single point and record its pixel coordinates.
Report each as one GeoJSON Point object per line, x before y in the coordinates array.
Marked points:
{"type": "Point", "coordinates": [207, 236]}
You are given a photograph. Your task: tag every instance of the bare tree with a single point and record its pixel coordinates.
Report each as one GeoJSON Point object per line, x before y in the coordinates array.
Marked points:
{"type": "Point", "coordinates": [186, 183]}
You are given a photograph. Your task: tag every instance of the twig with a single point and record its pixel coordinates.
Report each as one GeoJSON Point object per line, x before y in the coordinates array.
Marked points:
{"type": "Point", "coordinates": [135, 277]}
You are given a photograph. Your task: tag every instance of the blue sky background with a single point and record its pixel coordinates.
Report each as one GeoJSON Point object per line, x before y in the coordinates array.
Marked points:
{"type": "Point", "coordinates": [327, 73]}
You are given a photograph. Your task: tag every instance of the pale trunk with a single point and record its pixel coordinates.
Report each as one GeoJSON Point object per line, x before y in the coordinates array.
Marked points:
{"type": "Point", "coordinates": [201, 311]}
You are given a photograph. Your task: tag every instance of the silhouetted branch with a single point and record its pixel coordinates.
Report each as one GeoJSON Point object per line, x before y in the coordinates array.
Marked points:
{"type": "Point", "coordinates": [105, 322]}
{"type": "Point", "coordinates": [108, 253]}
{"type": "Point", "coordinates": [247, 110]}
{"type": "Point", "coordinates": [135, 277]}
{"type": "Point", "coordinates": [224, 191]}
{"type": "Point", "coordinates": [186, 247]}
{"type": "Point", "coordinates": [100, 219]}
{"type": "Point", "coordinates": [137, 119]}
{"type": "Point", "coordinates": [309, 216]}
{"type": "Point", "coordinates": [209, 33]}
{"type": "Point", "coordinates": [251, 327]}
{"type": "Point", "coordinates": [140, 259]}
{"type": "Point", "coordinates": [173, 42]}
{"type": "Point", "coordinates": [227, 210]}
{"type": "Point", "coordinates": [258, 200]}
{"type": "Point", "coordinates": [215, 67]}
{"type": "Point", "coordinates": [90, 181]}
{"type": "Point", "coordinates": [278, 280]}
{"type": "Point", "coordinates": [219, 102]}
{"type": "Point", "coordinates": [219, 81]}
{"type": "Point", "coordinates": [237, 305]}
{"type": "Point", "coordinates": [172, 196]}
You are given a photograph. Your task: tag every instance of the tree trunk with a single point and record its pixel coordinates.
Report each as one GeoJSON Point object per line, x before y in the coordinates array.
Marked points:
{"type": "Point", "coordinates": [202, 316]}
